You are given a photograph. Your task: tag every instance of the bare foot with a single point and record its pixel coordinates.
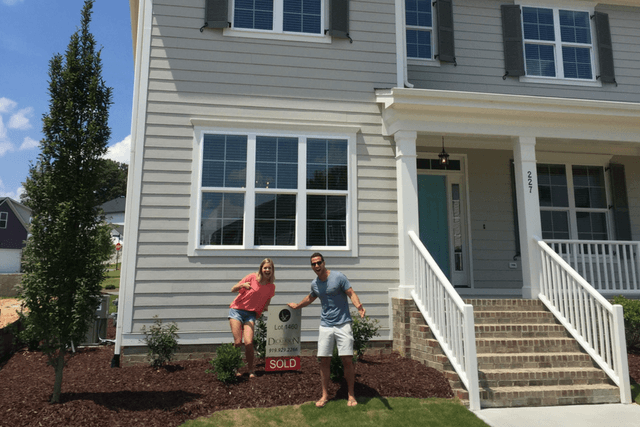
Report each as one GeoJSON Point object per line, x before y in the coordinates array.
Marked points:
{"type": "Point", "coordinates": [321, 403]}
{"type": "Point", "coordinates": [352, 401]}
{"type": "Point", "coordinates": [252, 374]}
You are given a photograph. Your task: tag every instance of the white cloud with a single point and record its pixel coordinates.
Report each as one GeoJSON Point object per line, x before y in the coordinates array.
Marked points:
{"type": "Point", "coordinates": [20, 120]}
{"type": "Point", "coordinates": [15, 195]}
{"type": "Point", "coordinates": [11, 2]}
{"type": "Point", "coordinates": [7, 105]}
{"type": "Point", "coordinates": [120, 151]}
{"type": "Point", "coordinates": [3, 130]}
{"type": "Point", "coordinates": [29, 143]}
{"type": "Point", "coordinates": [5, 147]}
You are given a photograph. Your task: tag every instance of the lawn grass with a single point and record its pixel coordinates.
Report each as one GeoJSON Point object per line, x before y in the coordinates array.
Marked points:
{"type": "Point", "coordinates": [374, 412]}
{"type": "Point", "coordinates": [113, 277]}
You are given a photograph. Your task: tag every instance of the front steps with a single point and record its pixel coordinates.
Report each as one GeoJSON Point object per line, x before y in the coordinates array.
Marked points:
{"type": "Point", "coordinates": [525, 358]}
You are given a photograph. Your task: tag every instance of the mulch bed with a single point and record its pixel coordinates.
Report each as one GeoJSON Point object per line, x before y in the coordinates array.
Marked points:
{"type": "Point", "coordinates": [94, 394]}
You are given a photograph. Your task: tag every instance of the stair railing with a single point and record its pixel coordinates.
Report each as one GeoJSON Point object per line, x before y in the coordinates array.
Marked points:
{"type": "Point", "coordinates": [449, 318]}
{"type": "Point", "coordinates": [594, 322]}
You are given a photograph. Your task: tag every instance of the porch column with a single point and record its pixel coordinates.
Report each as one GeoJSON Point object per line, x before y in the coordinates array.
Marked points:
{"type": "Point", "coordinates": [407, 183]}
{"type": "Point", "coordinates": [524, 158]}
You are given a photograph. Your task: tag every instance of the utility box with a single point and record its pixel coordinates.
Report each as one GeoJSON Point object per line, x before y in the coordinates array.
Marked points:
{"type": "Point", "coordinates": [98, 328]}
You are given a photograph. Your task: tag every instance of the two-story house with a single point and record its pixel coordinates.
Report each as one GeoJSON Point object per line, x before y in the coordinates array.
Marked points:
{"type": "Point", "coordinates": [375, 132]}
{"type": "Point", "coordinates": [14, 229]}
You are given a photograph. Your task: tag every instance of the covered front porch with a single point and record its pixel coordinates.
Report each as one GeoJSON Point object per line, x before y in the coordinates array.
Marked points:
{"type": "Point", "coordinates": [540, 203]}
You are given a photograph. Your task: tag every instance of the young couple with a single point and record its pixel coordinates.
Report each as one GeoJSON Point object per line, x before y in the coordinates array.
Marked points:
{"type": "Point", "coordinates": [332, 287]}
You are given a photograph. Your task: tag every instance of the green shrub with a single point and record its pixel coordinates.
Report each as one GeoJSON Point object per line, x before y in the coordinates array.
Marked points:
{"type": "Point", "coordinates": [110, 286]}
{"type": "Point", "coordinates": [162, 342]}
{"type": "Point", "coordinates": [363, 331]}
{"type": "Point", "coordinates": [226, 364]}
{"type": "Point", "coordinates": [260, 338]}
{"type": "Point", "coordinates": [337, 369]}
{"type": "Point", "coordinates": [631, 310]}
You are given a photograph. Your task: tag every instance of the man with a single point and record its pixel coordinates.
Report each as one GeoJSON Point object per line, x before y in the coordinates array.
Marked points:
{"type": "Point", "coordinates": [333, 288]}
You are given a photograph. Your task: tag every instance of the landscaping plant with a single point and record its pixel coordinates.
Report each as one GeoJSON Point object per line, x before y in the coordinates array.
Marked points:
{"type": "Point", "coordinates": [63, 261]}
{"type": "Point", "coordinates": [260, 337]}
{"type": "Point", "coordinates": [226, 364]}
{"type": "Point", "coordinates": [162, 341]}
{"type": "Point", "coordinates": [631, 309]}
{"type": "Point", "coordinates": [363, 330]}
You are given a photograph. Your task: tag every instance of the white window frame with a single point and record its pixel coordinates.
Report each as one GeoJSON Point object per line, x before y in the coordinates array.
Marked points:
{"type": "Point", "coordinates": [203, 127]}
{"type": "Point", "coordinates": [4, 219]}
{"type": "Point", "coordinates": [277, 33]}
{"type": "Point", "coordinates": [570, 5]}
{"type": "Point", "coordinates": [434, 62]}
{"type": "Point", "coordinates": [580, 160]}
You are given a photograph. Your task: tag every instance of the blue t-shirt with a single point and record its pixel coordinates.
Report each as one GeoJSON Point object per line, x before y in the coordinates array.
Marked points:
{"type": "Point", "coordinates": [335, 303]}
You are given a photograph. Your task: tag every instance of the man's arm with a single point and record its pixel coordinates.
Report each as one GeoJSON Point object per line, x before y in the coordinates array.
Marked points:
{"type": "Point", "coordinates": [356, 301]}
{"type": "Point", "coordinates": [305, 302]}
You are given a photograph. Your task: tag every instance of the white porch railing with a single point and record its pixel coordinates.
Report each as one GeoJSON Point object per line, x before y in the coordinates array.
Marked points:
{"type": "Point", "coordinates": [450, 319]}
{"type": "Point", "coordinates": [611, 267]}
{"type": "Point", "coordinates": [594, 322]}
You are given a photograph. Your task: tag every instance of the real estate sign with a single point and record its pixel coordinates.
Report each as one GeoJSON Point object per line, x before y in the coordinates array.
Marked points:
{"type": "Point", "coordinates": [283, 339]}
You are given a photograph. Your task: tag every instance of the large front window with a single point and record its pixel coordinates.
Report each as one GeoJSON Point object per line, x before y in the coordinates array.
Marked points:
{"type": "Point", "coordinates": [270, 190]}
{"type": "Point", "coordinates": [557, 43]}
{"type": "Point", "coordinates": [280, 16]}
{"type": "Point", "coordinates": [573, 202]}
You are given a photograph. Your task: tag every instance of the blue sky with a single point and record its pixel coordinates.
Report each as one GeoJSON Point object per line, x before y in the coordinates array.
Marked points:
{"type": "Point", "coordinates": [31, 32]}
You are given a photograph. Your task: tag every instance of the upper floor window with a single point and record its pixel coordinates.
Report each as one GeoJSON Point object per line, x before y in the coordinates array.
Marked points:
{"type": "Point", "coordinates": [4, 218]}
{"type": "Point", "coordinates": [419, 21]}
{"type": "Point", "coordinates": [557, 43]}
{"type": "Point", "coordinates": [280, 16]}
{"type": "Point", "coordinates": [278, 190]}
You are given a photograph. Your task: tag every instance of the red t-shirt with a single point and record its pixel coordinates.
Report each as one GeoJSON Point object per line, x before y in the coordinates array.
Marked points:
{"type": "Point", "coordinates": [253, 299]}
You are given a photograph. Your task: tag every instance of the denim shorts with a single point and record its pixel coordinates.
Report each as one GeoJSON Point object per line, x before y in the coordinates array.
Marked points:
{"type": "Point", "coordinates": [243, 316]}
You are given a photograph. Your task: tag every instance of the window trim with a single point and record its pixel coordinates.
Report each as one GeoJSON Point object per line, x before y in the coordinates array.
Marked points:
{"type": "Point", "coordinates": [4, 218]}
{"type": "Point", "coordinates": [349, 133]}
{"type": "Point", "coordinates": [279, 34]}
{"type": "Point", "coordinates": [570, 5]}
{"type": "Point", "coordinates": [433, 61]}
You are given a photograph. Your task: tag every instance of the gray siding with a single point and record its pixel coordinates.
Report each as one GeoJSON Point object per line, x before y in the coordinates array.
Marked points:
{"type": "Point", "coordinates": [480, 59]}
{"type": "Point", "coordinates": [207, 75]}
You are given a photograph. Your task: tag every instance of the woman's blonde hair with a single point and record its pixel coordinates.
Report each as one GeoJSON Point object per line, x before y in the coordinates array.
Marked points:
{"type": "Point", "coordinates": [273, 270]}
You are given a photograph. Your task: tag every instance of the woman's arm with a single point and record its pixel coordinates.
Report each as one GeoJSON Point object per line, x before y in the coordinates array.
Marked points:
{"type": "Point", "coordinates": [244, 283]}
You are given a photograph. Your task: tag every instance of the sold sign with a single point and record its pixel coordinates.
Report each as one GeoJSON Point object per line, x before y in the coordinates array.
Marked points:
{"type": "Point", "coordinates": [283, 339]}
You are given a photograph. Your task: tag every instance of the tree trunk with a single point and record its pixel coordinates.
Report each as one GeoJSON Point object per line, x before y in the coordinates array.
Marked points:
{"type": "Point", "coordinates": [58, 366]}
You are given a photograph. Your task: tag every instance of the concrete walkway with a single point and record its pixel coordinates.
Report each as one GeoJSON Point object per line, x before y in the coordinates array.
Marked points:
{"type": "Point", "coordinates": [610, 415]}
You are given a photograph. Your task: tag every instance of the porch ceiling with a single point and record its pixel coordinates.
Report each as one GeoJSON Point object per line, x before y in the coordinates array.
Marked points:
{"type": "Point", "coordinates": [452, 112]}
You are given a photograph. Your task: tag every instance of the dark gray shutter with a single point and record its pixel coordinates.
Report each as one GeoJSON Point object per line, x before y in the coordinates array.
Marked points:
{"type": "Point", "coordinates": [605, 50]}
{"type": "Point", "coordinates": [620, 207]}
{"type": "Point", "coordinates": [339, 19]}
{"type": "Point", "coordinates": [512, 40]}
{"type": "Point", "coordinates": [446, 46]}
{"type": "Point", "coordinates": [216, 14]}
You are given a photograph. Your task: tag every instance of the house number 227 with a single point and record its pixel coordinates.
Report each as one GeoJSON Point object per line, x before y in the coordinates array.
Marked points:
{"type": "Point", "coordinates": [530, 181]}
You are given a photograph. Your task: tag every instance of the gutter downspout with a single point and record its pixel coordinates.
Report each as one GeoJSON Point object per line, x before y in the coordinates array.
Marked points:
{"type": "Point", "coordinates": [401, 47]}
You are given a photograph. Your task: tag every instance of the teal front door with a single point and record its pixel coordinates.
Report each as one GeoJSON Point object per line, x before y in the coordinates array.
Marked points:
{"type": "Point", "coordinates": [434, 219]}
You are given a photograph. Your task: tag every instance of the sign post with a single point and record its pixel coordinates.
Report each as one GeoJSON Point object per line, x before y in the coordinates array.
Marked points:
{"type": "Point", "coordinates": [283, 339]}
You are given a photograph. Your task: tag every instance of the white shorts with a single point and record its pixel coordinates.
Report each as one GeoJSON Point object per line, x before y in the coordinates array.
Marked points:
{"type": "Point", "coordinates": [341, 335]}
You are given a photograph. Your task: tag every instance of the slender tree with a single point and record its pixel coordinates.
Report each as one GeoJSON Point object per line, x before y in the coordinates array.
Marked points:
{"type": "Point", "coordinates": [63, 259]}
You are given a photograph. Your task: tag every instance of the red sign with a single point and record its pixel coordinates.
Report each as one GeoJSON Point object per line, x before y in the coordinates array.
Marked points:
{"type": "Point", "coordinates": [282, 363]}
{"type": "Point", "coordinates": [118, 246]}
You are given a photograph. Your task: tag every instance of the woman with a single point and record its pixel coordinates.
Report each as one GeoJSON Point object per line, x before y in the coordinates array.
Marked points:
{"type": "Point", "coordinates": [255, 293]}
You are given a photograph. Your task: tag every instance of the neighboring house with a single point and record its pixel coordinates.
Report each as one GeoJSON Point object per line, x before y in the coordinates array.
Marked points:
{"type": "Point", "coordinates": [14, 229]}
{"type": "Point", "coordinates": [277, 134]}
{"type": "Point", "coordinates": [114, 213]}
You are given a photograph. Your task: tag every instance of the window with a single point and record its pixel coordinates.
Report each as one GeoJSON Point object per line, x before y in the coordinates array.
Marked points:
{"type": "Point", "coordinates": [419, 21]}
{"type": "Point", "coordinates": [573, 202]}
{"type": "Point", "coordinates": [282, 191]}
{"type": "Point", "coordinates": [280, 16]}
{"type": "Point", "coordinates": [4, 217]}
{"type": "Point", "coordinates": [557, 43]}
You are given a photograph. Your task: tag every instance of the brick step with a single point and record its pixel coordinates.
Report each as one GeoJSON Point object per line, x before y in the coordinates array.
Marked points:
{"type": "Point", "coordinates": [513, 317]}
{"type": "Point", "coordinates": [493, 378]}
{"type": "Point", "coordinates": [535, 330]}
{"type": "Point", "coordinates": [506, 304]}
{"type": "Point", "coordinates": [526, 345]}
{"type": "Point", "coordinates": [505, 397]}
{"type": "Point", "coordinates": [534, 360]}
